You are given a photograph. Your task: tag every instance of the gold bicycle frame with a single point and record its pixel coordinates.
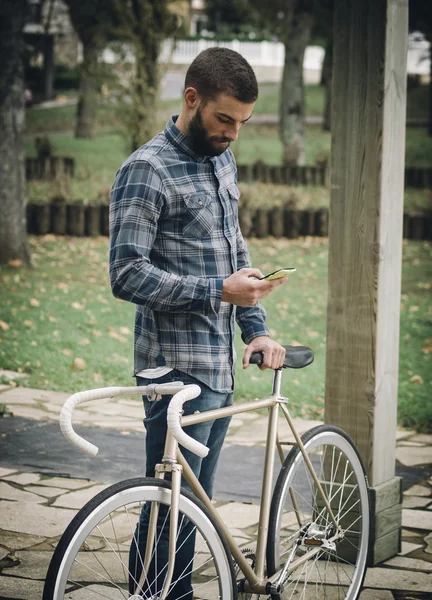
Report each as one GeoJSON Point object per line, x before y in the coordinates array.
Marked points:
{"type": "Point", "coordinates": [256, 582]}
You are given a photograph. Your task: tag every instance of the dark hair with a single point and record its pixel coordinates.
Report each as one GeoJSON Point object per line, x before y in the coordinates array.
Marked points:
{"type": "Point", "coordinates": [221, 70]}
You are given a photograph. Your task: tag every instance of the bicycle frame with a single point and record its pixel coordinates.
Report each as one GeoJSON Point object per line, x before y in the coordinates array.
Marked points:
{"type": "Point", "coordinates": [173, 461]}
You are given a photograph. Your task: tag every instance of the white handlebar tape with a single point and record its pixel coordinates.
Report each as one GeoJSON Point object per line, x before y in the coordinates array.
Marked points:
{"type": "Point", "coordinates": [98, 394]}
{"type": "Point", "coordinates": [174, 416]}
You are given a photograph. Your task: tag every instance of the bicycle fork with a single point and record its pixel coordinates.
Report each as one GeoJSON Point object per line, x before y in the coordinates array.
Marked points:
{"type": "Point", "coordinates": [168, 465]}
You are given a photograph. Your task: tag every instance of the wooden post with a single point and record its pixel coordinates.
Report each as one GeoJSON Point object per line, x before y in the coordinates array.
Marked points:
{"type": "Point", "coordinates": [365, 244]}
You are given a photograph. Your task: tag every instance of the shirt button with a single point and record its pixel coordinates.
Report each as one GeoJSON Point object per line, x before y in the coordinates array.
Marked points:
{"type": "Point", "coordinates": [200, 202]}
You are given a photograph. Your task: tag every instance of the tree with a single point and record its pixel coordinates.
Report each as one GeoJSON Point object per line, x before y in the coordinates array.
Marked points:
{"type": "Point", "coordinates": [13, 225]}
{"type": "Point", "coordinates": [232, 16]}
{"type": "Point", "coordinates": [93, 23]}
{"type": "Point", "coordinates": [292, 22]}
{"type": "Point", "coordinates": [420, 19]}
{"type": "Point", "coordinates": [146, 24]}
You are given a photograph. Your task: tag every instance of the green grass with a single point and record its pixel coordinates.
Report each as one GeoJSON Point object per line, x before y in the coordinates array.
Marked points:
{"type": "Point", "coordinates": [62, 310]}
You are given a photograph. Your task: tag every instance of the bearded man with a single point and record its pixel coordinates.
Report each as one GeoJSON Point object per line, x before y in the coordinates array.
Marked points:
{"type": "Point", "coordinates": [177, 253]}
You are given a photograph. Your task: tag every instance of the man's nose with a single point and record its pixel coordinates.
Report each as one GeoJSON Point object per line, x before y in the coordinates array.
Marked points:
{"type": "Point", "coordinates": [232, 133]}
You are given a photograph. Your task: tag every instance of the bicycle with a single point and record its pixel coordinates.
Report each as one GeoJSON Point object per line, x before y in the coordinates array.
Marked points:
{"type": "Point", "coordinates": [313, 531]}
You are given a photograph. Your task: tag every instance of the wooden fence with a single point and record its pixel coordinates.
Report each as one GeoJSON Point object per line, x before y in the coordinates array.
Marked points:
{"type": "Point", "coordinates": [50, 167]}
{"type": "Point", "coordinates": [93, 220]}
{"type": "Point", "coordinates": [316, 175]}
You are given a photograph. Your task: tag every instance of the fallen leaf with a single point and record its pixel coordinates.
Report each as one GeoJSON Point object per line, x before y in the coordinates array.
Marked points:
{"type": "Point", "coordinates": [96, 332]}
{"type": "Point", "coordinates": [66, 351]}
{"type": "Point", "coordinates": [15, 264]}
{"type": "Point", "coordinates": [97, 377]}
{"type": "Point", "coordinates": [28, 323]}
{"type": "Point", "coordinates": [84, 341]}
{"type": "Point", "coordinates": [125, 330]}
{"type": "Point", "coordinates": [313, 334]}
{"type": "Point", "coordinates": [116, 336]}
{"type": "Point", "coordinates": [63, 286]}
{"type": "Point", "coordinates": [4, 326]}
{"type": "Point", "coordinates": [427, 349]}
{"type": "Point", "coordinates": [77, 306]}
{"type": "Point", "coordinates": [52, 319]}
{"type": "Point", "coordinates": [34, 302]}
{"type": "Point", "coordinates": [79, 363]}
{"type": "Point", "coordinates": [414, 308]}
{"type": "Point", "coordinates": [416, 379]}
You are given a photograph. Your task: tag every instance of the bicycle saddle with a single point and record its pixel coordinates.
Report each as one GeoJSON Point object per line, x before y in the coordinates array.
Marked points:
{"type": "Point", "coordinates": [296, 357]}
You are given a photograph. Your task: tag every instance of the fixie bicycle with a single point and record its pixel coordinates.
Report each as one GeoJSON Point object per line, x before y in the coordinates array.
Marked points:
{"type": "Point", "coordinates": [313, 531]}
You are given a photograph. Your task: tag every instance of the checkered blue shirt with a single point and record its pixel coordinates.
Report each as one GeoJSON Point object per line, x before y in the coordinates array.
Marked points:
{"type": "Point", "coordinates": [174, 237]}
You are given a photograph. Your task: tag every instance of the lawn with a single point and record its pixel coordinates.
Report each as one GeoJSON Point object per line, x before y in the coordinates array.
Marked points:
{"type": "Point", "coordinates": [61, 326]}
{"type": "Point", "coordinates": [97, 160]}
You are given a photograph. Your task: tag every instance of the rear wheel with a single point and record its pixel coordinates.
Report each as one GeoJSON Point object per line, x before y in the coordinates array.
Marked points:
{"type": "Point", "coordinates": [101, 553]}
{"type": "Point", "coordinates": [333, 563]}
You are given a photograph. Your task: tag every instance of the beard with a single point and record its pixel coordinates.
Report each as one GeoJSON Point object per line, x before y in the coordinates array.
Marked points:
{"type": "Point", "coordinates": [200, 141]}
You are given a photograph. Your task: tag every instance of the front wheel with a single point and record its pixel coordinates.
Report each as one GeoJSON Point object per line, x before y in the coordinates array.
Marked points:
{"type": "Point", "coordinates": [331, 558]}
{"type": "Point", "coordinates": [101, 553]}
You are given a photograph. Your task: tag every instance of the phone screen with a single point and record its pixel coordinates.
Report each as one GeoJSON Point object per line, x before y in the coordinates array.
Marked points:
{"type": "Point", "coordinates": [279, 273]}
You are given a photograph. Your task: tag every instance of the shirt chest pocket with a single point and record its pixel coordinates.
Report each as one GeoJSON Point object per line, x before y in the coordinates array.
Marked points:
{"type": "Point", "coordinates": [198, 215]}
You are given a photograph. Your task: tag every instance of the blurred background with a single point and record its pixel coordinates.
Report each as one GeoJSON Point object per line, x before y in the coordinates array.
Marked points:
{"type": "Point", "coordinates": [100, 79]}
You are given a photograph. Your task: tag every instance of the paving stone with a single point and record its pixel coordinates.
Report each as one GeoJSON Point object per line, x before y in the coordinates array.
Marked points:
{"type": "Point", "coordinates": [5, 472]}
{"type": "Point", "coordinates": [20, 589]}
{"type": "Point", "coordinates": [23, 478]}
{"type": "Point", "coordinates": [402, 434]}
{"type": "Point", "coordinates": [45, 491]}
{"type": "Point", "coordinates": [21, 395]}
{"type": "Point", "coordinates": [66, 483]}
{"type": "Point", "coordinates": [18, 541]}
{"type": "Point", "coordinates": [414, 456]}
{"type": "Point", "coordinates": [78, 498]}
{"type": "Point", "coordinates": [238, 515]}
{"type": "Point", "coordinates": [409, 443]}
{"type": "Point", "coordinates": [410, 564]}
{"type": "Point", "coordinates": [9, 492]}
{"type": "Point", "coordinates": [28, 412]}
{"type": "Point", "coordinates": [376, 595]}
{"type": "Point", "coordinates": [418, 490]}
{"type": "Point", "coordinates": [408, 547]}
{"type": "Point", "coordinates": [425, 438]}
{"type": "Point", "coordinates": [33, 564]}
{"type": "Point", "coordinates": [12, 374]}
{"type": "Point", "coordinates": [397, 579]}
{"type": "Point", "coordinates": [34, 518]}
{"type": "Point", "coordinates": [3, 551]}
{"type": "Point", "coordinates": [3, 388]}
{"type": "Point", "coordinates": [428, 540]}
{"type": "Point", "coordinates": [415, 502]}
{"type": "Point", "coordinates": [416, 519]}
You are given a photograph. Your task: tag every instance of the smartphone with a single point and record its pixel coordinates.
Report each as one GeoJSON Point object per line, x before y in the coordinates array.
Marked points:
{"type": "Point", "coordinates": [279, 273]}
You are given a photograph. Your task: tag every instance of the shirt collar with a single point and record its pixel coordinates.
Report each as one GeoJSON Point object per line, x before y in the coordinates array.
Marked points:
{"type": "Point", "coordinates": [181, 140]}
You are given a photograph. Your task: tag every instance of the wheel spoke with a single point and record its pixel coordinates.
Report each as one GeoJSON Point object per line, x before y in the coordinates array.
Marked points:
{"type": "Point", "coordinates": [336, 570]}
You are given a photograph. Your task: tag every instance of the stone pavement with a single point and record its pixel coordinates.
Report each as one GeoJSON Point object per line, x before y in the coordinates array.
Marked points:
{"type": "Point", "coordinates": [35, 507]}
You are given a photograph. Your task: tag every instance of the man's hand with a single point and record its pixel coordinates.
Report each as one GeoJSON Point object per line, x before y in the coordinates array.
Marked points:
{"type": "Point", "coordinates": [243, 288]}
{"type": "Point", "coordinates": [273, 353]}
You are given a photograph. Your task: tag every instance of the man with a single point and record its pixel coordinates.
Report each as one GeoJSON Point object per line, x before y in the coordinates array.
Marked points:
{"type": "Point", "coordinates": [177, 252]}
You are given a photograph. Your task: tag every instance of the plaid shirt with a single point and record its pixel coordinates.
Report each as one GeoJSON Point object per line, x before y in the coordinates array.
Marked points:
{"type": "Point", "coordinates": [174, 238]}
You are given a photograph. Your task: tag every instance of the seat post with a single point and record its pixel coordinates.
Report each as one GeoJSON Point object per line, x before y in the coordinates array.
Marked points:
{"type": "Point", "coordinates": [277, 380]}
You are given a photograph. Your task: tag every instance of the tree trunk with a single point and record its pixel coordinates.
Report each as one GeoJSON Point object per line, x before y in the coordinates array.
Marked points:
{"type": "Point", "coordinates": [13, 226]}
{"type": "Point", "coordinates": [145, 93]}
{"type": "Point", "coordinates": [296, 37]}
{"type": "Point", "coordinates": [326, 81]}
{"type": "Point", "coordinates": [430, 86]}
{"type": "Point", "coordinates": [87, 97]}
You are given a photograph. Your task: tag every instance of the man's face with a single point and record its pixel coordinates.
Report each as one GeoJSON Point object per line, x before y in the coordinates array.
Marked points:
{"type": "Point", "coordinates": [216, 124]}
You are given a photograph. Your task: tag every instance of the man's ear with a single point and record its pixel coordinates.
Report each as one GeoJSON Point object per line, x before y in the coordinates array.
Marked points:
{"type": "Point", "coordinates": [191, 97]}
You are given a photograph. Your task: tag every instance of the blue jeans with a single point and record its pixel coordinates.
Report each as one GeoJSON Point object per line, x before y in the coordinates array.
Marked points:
{"type": "Point", "coordinates": [212, 434]}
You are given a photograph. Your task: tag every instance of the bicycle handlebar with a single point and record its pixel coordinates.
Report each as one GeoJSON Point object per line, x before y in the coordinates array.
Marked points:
{"type": "Point", "coordinates": [174, 416]}
{"type": "Point", "coordinates": [181, 392]}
